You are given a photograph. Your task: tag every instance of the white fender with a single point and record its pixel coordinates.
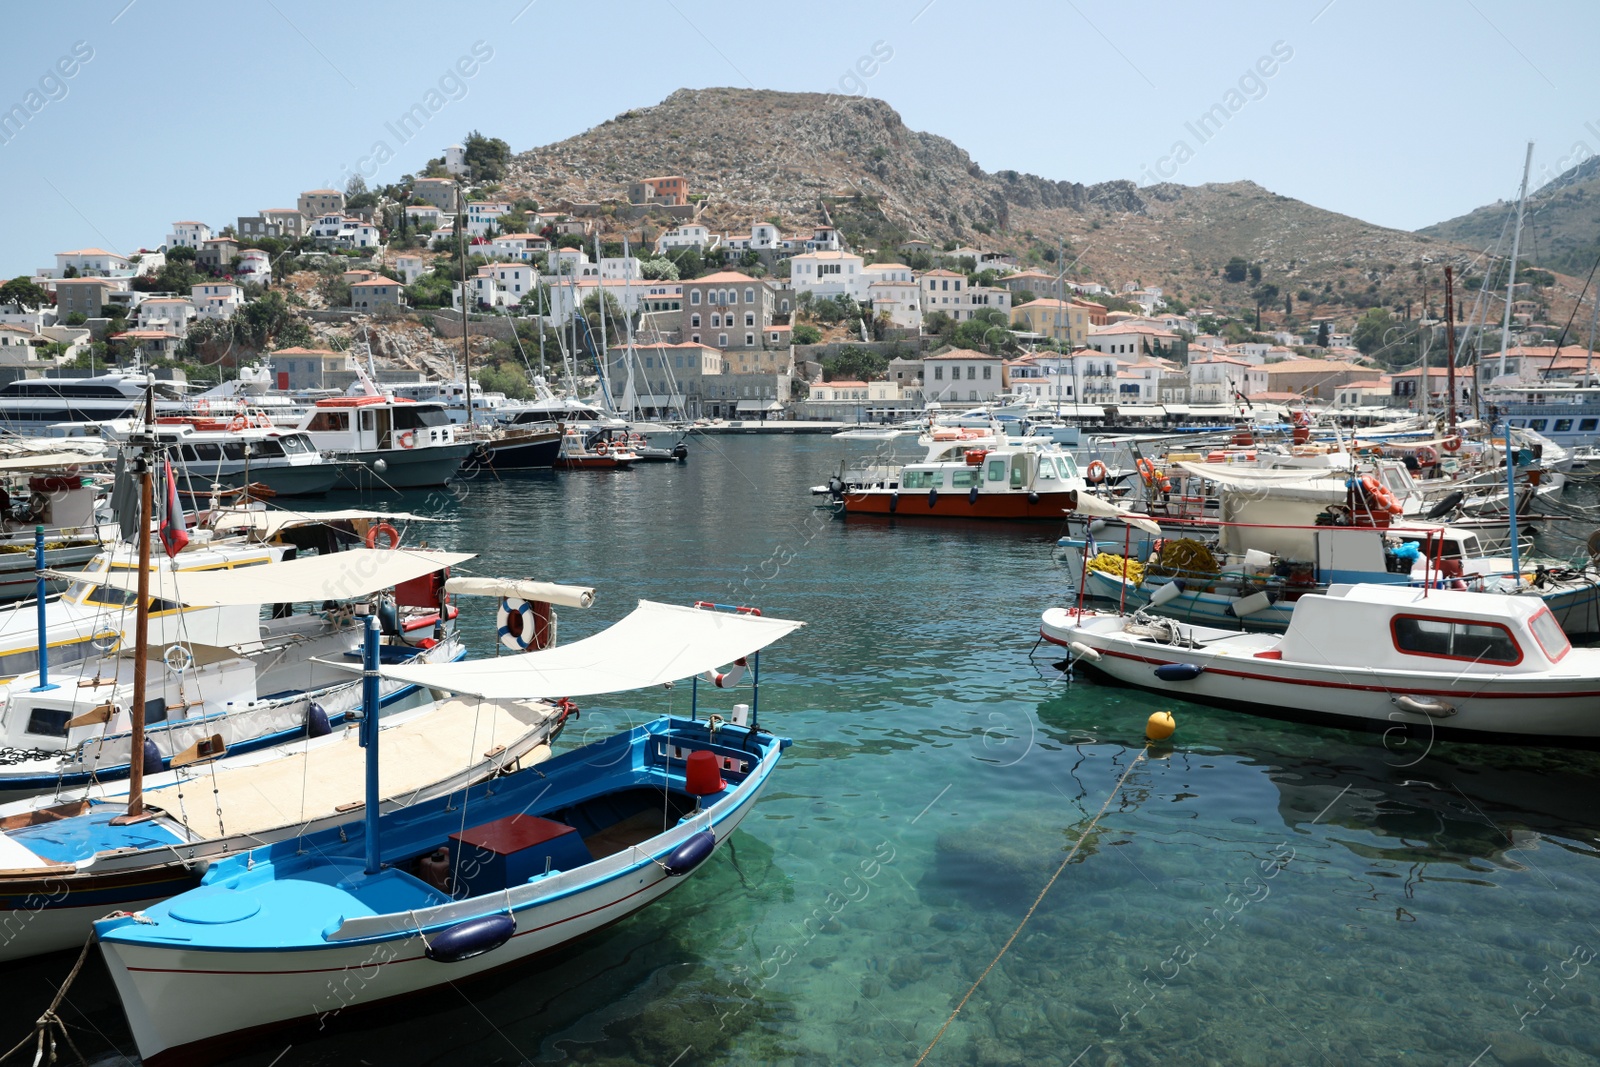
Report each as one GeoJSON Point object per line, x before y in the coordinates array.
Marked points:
{"type": "Point", "coordinates": [1083, 651]}
{"type": "Point", "coordinates": [1425, 706]}
{"type": "Point", "coordinates": [729, 678]}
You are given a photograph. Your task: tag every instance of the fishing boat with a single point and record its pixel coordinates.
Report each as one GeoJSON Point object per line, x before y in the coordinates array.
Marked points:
{"type": "Point", "coordinates": [300, 932]}
{"type": "Point", "coordinates": [1468, 666]}
{"type": "Point", "coordinates": [65, 859]}
{"type": "Point", "coordinates": [513, 448]}
{"type": "Point", "coordinates": [1002, 482]}
{"type": "Point", "coordinates": [73, 726]}
{"type": "Point", "coordinates": [53, 493]}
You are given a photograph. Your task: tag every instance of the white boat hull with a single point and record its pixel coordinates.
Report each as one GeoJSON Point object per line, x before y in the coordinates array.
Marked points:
{"type": "Point", "coordinates": [1549, 709]}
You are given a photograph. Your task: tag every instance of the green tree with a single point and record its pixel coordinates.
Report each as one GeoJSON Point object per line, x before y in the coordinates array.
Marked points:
{"type": "Point", "coordinates": [23, 292]}
{"type": "Point", "coordinates": [1369, 331]}
{"type": "Point", "coordinates": [806, 334]}
{"type": "Point", "coordinates": [854, 365]}
{"type": "Point", "coordinates": [1255, 274]}
{"type": "Point", "coordinates": [1236, 269]}
{"type": "Point", "coordinates": [1322, 334]}
{"type": "Point", "coordinates": [488, 157]}
{"type": "Point", "coordinates": [659, 270]}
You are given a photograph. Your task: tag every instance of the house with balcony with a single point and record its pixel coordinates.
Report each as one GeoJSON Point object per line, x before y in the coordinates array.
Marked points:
{"type": "Point", "coordinates": [169, 314]}
{"type": "Point", "coordinates": [254, 266]}
{"type": "Point", "coordinates": [527, 247]}
{"type": "Point", "coordinates": [689, 235]}
{"type": "Point", "coordinates": [89, 263]}
{"type": "Point", "coordinates": [828, 274]}
{"type": "Point", "coordinates": [315, 202]}
{"type": "Point", "coordinates": [483, 216]}
{"type": "Point", "coordinates": [1056, 320]}
{"type": "Point", "coordinates": [85, 296]}
{"type": "Point", "coordinates": [410, 267]}
{"type": "Point", "coordinates": [1128, 339]}
{"type": "Point", "coordinates": [1220, 379]}
{"type": "Point", "coordinates": [188, 234]}
{"type": "Point", "coordinates": [726, 310]}
{"type": "Point", "coordinates": [425, 216]}
{"type": "Point", "coordinates": [149, 344]}
{"type": "Point", "coordinates": [671, 190]}
{"type": "Point", "coordinates": [216, 300]}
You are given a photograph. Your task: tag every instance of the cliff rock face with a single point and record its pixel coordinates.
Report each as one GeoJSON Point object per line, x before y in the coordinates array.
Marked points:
{"type": "Point", "coordinates": [759, 154]}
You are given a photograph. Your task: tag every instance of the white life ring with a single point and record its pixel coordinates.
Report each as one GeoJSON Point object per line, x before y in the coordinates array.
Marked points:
{"type": "Point", "coordinates": [407, 439]}
{"type": "Point", "coordinates": [729, 678]}
{"type": "Point", "coordinates": [177, 658]}
{"type": "Point", "coordinates": [515, 624]}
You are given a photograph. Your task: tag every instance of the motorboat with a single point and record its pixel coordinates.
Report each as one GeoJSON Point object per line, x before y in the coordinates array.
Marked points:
{"type": "Point", "coordinates": [592, 451]}
{"type": "Point", "coordinates": [1456, 665]}
{"type": "Point", "coordinates": [1002, 482]}
{"type": "Point", "coordinates": [440, 891]}
{"type": "Point", "coordinates": [389, 442]}
{"type": "Point", "coordinates": [244, 450]}
{"type": "Point", "coordinates": [28, 405]}
{"type": "Point", "coordinates": [53, 491]}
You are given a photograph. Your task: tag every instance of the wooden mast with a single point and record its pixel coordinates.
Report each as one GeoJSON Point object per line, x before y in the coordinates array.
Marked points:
{"type": "Point", "coordinates": [1450, 344]}
{"type": "Point", "coordinates": [141, 641]}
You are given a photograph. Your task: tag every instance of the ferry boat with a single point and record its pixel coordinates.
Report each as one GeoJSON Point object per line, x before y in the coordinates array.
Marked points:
{"type": "Point", "coordinates": [1566, 413]}
{"type": "Point", "coordinates": [1467, 666]}
{"type": "Point", "coordinates": [389, 442]}
{"type": "Point", "coordinates": [28, 405]}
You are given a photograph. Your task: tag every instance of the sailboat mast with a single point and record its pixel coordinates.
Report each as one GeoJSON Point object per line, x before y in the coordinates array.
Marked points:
{"type": "Point", "coordinates": [1450, 343]}
{"type": "Point", "coordinates": [1594, 320]}
{"type": "Point", "coordinates": [141, 623]}
{"type": "Point", "coordinates": [466, 350]}
{"type": "Point", "coordinates": [1516, 247]}
{"type": "Point", "coordinates": [600, 305]}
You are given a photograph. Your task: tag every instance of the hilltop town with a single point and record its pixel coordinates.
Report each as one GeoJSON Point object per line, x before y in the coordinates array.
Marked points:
{"type": "Point", "coordinates": [692, 303]}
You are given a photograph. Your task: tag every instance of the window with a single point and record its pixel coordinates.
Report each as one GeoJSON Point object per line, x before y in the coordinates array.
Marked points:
{"type": "Point", "coordinates": [722, 340]}
{"type": "Point", "coordinates": [694, 296]}
{"type": "Point", "coordinates": [938, 374]}
{"type": "Point", "coordinates": [695, 338]}
{"type": "Point", "coordinates": [1588, 425]}
{"type": "Point", "coordinates": [1537, 424]}
{"type": "Point", "coordinates": [716, 320]}
{"type": "Point", "coordinates": [986, 372]}
{"type": "Point", "coordinates": [694, 321]}
{"type": "Point", "coordinates": [328, 420]}
{"type": "Point", "coordinates": [749, 319]}
{"type": "Point", "coordinates": [996, 470]}
{"type": "Point", "coordinates": [1486, 642]}
{"type": "Point", "coordinates": [749, 340]}
{"type": "Point", "coordinates": [749, 296]}
{"type": "Point", "coordinates": [1563, 425]}
{"type": "Point", "coordinates": [967, 478]}
{"type": "Point", "coordinates": [1548, 633]}
{"type": "Point", "coordinates": [972, 373]}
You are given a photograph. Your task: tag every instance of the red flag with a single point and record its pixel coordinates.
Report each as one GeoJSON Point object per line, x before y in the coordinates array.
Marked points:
{"type": "Point", "coordinates": [174, 529]}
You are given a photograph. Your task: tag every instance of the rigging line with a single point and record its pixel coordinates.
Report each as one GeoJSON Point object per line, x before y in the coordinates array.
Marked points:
{"type": "Point", "coordinates": [1575, 306]}
{"type": "Point", "coordinates": [1076, 845]}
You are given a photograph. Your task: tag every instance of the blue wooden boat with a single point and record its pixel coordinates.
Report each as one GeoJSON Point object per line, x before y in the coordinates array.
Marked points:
{"type": "Point", "coordinates": [301, 932]}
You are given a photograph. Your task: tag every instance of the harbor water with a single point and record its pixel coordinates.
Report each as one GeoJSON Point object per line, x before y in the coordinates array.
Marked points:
{"type": "Point", "coordinates": [1255, 893]}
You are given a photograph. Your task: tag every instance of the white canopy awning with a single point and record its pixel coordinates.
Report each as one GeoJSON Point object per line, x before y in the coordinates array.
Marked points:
{"type": "Point", "coordinates": [653, 645]}
{"type": "Point", "coordinates": [335, 576]}
{"type": "Point", "coordinates": [266, 524]}
{"type": "Point", "coordinates": [1089, 504]}
{"type": "Point", "coordinates": [50, 461]}
{"type": "Point", "coordinates": [1243, 477]}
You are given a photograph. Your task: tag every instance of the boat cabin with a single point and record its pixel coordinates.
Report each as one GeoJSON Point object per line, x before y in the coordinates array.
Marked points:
{"type": "Point", "coordinates": [377, 424]}
{"type": "Point", "coordinates": [1410, 629]}
{"type": "Point", "coordinates": [996, 471]}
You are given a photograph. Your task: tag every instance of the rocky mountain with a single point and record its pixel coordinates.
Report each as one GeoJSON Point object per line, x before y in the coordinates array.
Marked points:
{"type": "Point", "coordinates": [799, 158]}
{"type": "Point", "coordinates": [1560, 229]}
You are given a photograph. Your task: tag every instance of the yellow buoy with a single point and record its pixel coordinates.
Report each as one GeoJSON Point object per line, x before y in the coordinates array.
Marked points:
{"type": "Point", "coordinates": [1160, 726]}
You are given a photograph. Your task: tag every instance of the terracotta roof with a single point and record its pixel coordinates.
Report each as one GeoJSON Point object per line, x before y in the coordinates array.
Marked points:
{"type": "Point", "coordinates": [723, 276]}
{"type": "Point", "coordinates": [841, 384]}
{"type": "Point", "coordinates": [91, 252]}
{"type": "Point", "coordinates": [379, 280]}
{"type": "Point", "coordinates": [886, 266]}
{"type": "Point", "coordinates": [963, 353]}
{"type": "Point", "coordinates": [1307, 366]}
{"type": "Point", "coordinates": [298, 351]}
{"type": "Point", "coordinates": [15, 329]}
{"type": "Point", "coordinates": [320, 192]}
{"type": "Point", "coordinates": [942, 273]}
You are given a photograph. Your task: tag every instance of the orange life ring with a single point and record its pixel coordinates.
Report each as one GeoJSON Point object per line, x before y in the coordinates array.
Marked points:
{"type": "Point", "coordinates": [1426, 456]}
{"type": "Point", "coordinates": [600, 448]}
{"type": "Point", "coordinates": [388, 531]}
{"type": "Point", "coordinates": [1451, 444]}
{"type": "Point", "coordinates": [237, 423]}
{"type": "Point", "coordinates": [1147, 471]}
{"type": "Point", "coordinates": [407, 438]}
{"type": "Point", "coordinates": [202, 407]}
{"type": "Point", "coordinates": [1095, 473]}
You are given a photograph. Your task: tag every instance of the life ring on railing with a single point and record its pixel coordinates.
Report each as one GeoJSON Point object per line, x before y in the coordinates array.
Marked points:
{"type": "Point", "coordinates": [1096, 472]}
{"type": "Point", "coordinates": [202, 407]}
{"type": "Point", "coordinates": [600, 448]}
{"type": "Point", "coordinates": [407, 439]}
{"type": "Point", "coordinates": [729, 678]}
{"type": "Point", "coordinates": [1426, 456]}
{"type": "Point", "coordinates": [387, 531]}
{"type": "Point", "coordinates": [237, 423]}
{"type": "Point", "coordinates": [1147, 471]}
{"type": "Point", "coordinates": [1451, 444]}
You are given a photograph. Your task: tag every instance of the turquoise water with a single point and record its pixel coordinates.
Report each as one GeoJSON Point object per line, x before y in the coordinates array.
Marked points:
{"type": "Point", "coordinates": [1260, 893]}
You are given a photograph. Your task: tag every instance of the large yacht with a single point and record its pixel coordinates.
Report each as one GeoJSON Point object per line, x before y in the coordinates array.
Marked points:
{"type": "Point", "coordinates": [394, 443]}
{"type": "Point", "coordinates": [30, 405]}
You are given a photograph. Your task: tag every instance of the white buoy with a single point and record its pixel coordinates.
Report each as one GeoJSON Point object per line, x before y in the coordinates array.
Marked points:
{"type": "Point", "coordinates": [1437, 709]}
{"type": "Point", "coordinates": [1257, 560]}
{"type": "Point", "coordinates": [1166, 593]}
{"type": "Point", "coordinates": [1083, 651]}
{"type": "Point", "coordinates": [1249, 605]}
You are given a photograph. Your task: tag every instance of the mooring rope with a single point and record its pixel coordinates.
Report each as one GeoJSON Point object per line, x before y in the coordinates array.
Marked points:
{"type": "Point", "coordinates": [1145, 751]}
{"type": "Point", "coordinates": [46, 1026]}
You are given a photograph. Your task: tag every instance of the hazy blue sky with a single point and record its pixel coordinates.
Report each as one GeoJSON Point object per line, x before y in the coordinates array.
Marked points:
{"type": "Point", "coordinates": [1400, 113]}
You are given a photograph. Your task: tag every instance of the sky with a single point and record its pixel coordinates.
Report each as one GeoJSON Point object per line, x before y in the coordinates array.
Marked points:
{"type": "Point", "coordinates": [118, 118]}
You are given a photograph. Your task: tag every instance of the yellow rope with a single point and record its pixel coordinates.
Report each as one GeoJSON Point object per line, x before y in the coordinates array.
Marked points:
{"type": "Point", "coordinates": [1115, 565]}
{"type": "Point", "coordinates": [1037, 901]}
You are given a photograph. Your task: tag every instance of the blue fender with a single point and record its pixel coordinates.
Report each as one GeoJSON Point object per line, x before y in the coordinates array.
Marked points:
{"type": "Point", "coordinates": [472, 938]}
{"type": "Point", "coordinates": [317, 724]}
{"type": "Point", "coordinates": [691, 854]}
{"type": "Point", "coordinates": [933, 497]}
{"type": "Point", "coordinates": [972, 495]}
{"type": "Point", "coordinates": [894, 502]}
{"type": "Point", "coordinates": [152, 757]}
{"type": "Point", "coordinates": [1179, 672]}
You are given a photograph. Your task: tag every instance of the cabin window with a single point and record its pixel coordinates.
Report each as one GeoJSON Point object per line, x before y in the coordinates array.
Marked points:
{"type": "Point", "coordinates": [1480, 642]}
{"type": "Point", "coordinates": [295, 442]}
{"type": "Point", "coordinates": [1548, 633]}
{"type": "Point", "coordinates": [234, 450]}
{"type": "Point", "coordinates": [1537, 424]}
{"type": "Point", "coordinates": [1563, 425]}
{"type": "Point", "coordinates": [997, 470]}
{"type": "Point", "coordinates": [964, 479]}
{"type": "Point", "coordinates": [207, 452]}
{"type": "Point", "coordinates": [324, 421]}
{"type": "Point", "coordinates": [49, 722]}
{"type": "Point", "coordinates": [923, 479]}
{"type": "Point", "coordinates": [415, 418]}
{"type": "Point", "coordinates": [1047, 468]}
{"type": "Point", "coordinates": [1019, 471]}
{"type": "Point", "coordinates": [110, 596]}
{"type": "Point", "coordinates": [1588, 425]}
{"type": "Point", "coordinates": [267, 446]}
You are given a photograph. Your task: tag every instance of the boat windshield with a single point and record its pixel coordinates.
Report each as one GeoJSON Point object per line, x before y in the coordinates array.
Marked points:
{"type": "Point", "coordinates": [407, 417]}
{"type": "Point", "coordinates": [296, 442]}
{"type": "Point", "coordinates": [1549, 635]}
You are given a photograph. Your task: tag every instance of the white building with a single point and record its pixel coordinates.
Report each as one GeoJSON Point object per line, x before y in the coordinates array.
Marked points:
{"type": "Point", "coordinates": [620, 268]}
{"type": "Point", "coordinates": [1123, 339]}
{"type": "Point", "coordinates": [900, 300]}
{"type": "Point", "coordinates": [410, 267]}
{"type": "Point", "coordinates": [1218, 379]}
{"type": "Point", "coordinates": [946, 291]}
{"type": "Point", "coordinates": [827, 274]}
{"type": "Point", "coordinates": [570, 261]}
{"type": "Point", "coordinates": [455, 160]}
{"type": "Point", "coordinates": [255, 266]}
{"type": "Point", "coordinates": [189, 234]}
{"type": "Point", "coordinates": [690, 235]}
{"type": "Point", "coordinates": [963, 376]}
{"type": "Point", "coordinates": [216, 300]}
{"type": "Point", "coordinates": [483, 214]}
{"type": "Point", "coordinates": [420, 215]}
{"type": "Point", "coordinates": [170, 313]}
{"type": "Point", "coordinates": [345, 231]}
{"type": "Point", "coordinates": [90, 263]}
{"type": "Point", "coordinates": [526, 247]}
